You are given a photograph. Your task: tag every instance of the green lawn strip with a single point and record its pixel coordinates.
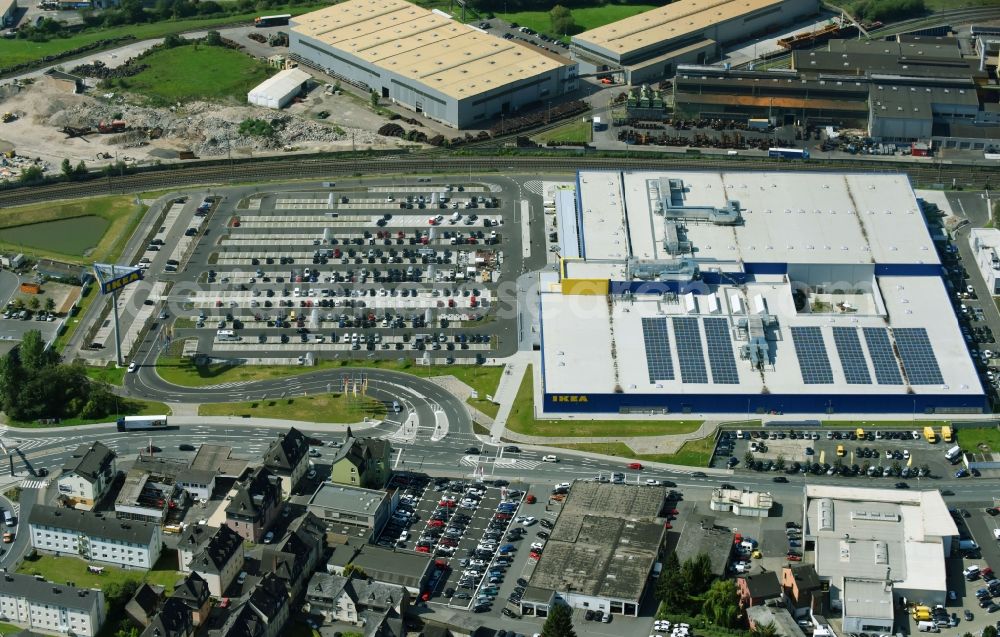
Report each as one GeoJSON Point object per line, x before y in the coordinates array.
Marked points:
{"type": "Point", "coordinates": [335, 408]}
{"type": "Point", "coordinates": [63, 569]}
{"type": "Point", "coordinates": [197, 72]}
{"type": "Point", "coordinates": [120, 211]}
{"type": "Point", "coordinates": [127, 407]}
{"type": "Point", "coordinates": [111, 374]}
{"type": "Point", "coordinates": [585, 18]}
{"type": "Point", "coordinates": [578, 132]}
{"type": "Point", "coordinates": [73, 322]}
{"type": "Point", "coordinates": [971, 437]}
{"type": "Point", "coordinates": [522, 420]}
{"type": "Point", "coordinates": [14, 51]}
{"type": "Point", "coordinates": [693, 453]}
{"type": "Point", "coordinates": [9, 629]}
{"type": "Point", "coordinates": [886, 424]}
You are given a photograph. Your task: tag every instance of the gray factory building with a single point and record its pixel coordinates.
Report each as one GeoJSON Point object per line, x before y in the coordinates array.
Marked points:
{"type": "Point", "coordinates": [648, 46]}
{"type": "Point", "coordinates": [422, 59]}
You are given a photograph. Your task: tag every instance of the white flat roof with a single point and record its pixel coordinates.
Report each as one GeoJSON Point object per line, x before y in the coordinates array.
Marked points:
{"type": "Point", "coordinates": [787, 217]}
{"type": "Point", "coordinates": [872, 533]}
{"type": "Point", "coordinates": [579, 359]}
{"type": "Point", "coordinates": [281, 84]}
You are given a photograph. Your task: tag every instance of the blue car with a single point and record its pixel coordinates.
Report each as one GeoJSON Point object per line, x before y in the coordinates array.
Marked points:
{"type": "Point", "coordinates": [507, 548]}
{"type": "Point", "coordinates": [962, 473]}
{"type": "Point", "coordinates": [794, 543]}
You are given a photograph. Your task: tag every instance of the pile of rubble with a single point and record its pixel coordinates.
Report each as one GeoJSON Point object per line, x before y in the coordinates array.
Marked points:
{"type": "Point", "coordinates": [207, 129]}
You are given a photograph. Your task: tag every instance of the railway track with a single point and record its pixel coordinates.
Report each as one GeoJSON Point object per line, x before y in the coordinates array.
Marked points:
{"type": "Point", "coordinates": [970, 176]}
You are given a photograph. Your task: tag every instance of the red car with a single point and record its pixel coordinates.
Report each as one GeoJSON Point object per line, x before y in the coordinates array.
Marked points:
{"type": "Point", "coordinates": [446, 503]}
{"type": "Point", "coordinates": [423, 549]}
{"type": "Point", "coordinates": [435, 523]}
{"type": "Point", "coordinates": [793, 558]}
{"type": "Point", "coordinates": [635, 465]}
{"type": "Point", "coordinates": [502, 516]}
{"type": "Point", "coordinates": [534, 555]}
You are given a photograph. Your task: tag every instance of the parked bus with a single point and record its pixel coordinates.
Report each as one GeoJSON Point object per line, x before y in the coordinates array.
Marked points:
{"type": "Point", "coordinates": [272, 20]}
{"type": "Point", "coordinates": [788, 153]}
{"type": "Point", "coordinates": [142, 423]}
{"type": "Point", "coordinates": [227, 335]}
{"type": "Point", "coordinates": [946, 433]}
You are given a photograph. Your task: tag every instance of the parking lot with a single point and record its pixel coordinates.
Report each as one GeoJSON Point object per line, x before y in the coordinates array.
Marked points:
{"type": "Point", "coordinates": [897, 454]}
{"type": "Point", "coordinates": [366, 271]}
{"type": "Point", "coordinates": [514, 31]}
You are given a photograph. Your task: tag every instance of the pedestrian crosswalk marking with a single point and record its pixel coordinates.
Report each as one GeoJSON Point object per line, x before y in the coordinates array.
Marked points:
{"type": "Point", "coordinates": [34, 484]}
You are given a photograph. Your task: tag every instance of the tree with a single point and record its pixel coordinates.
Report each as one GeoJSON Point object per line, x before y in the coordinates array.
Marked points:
{"type": "Point", "coordinates": [696, 574]}
{"type": "Point", "coordinates": [126, 629]}
{"type": "Point", "coordinates": [669, 588]}
{"type": "Point", "coordinates": [31, 174]}
{"type": "Point", "coordinates": [80, 171]}
{"type": "Point", "coordinates": [50, 304]}
{"type": "Point", "coordinates": [925, 469]}
{"type": "Point", "coordinates": [34, 303]}
{"type": "Point", "coordinates": [374, 99]}
{"type": "Point", "coordinates": [67, 169]}
{"type": "Point", "coordinates": [721, 604]}
{"type": "Point", "coordinates": [33, 354]}
{"type": "Point", "coordinates": [896, 468]}
{"type": "Point", "coordinates": [559, 622]}
{"type": "Point", "coordinates": [172, 41]}
{"type": "Point", "coordinates": [562, 20]}
{"type": "Point", "coordinates": [748, 459]}
{"type": "Point", "coordinates": [989, 631]}
{"type": "Point", "coordinates": [18, 304]}
{"type": "Point", "coordinates": [213, 38]}
{"type": "Point", "coordinates": [352, 569]}
{"type": "Point", "coordinates": [764, 629]}
{"type": "Point", "coordinates": [779, 462]}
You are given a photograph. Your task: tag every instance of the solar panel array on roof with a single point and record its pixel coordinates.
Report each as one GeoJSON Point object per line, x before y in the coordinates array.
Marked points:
{"type": "Point", "coordinates": [720, 352]}
{"type": "Point", "coordinates": [918, 358]}
{"type": "Point", "coordinates": [811, 352]}
{"type": "Point", "coordinates": [883, 358]}
{"type": "Point", "coordinates": [852, 357]}
{"type": "Point", "coordinates": [690, 354]}
{"type": "Point", "coordinates": [659, 361]}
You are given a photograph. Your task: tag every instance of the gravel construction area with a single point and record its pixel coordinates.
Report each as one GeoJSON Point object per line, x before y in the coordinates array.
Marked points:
{"type": "Point", "coordinates": [200, 127]}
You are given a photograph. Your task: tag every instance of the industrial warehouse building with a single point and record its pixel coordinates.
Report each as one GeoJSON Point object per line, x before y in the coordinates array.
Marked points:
{"type": "Point", "coordinates": [649, 46]}
{"type": "Point", "coordinates": [705, 292]}
{"type": "Point", "coordinates": [876, 547]}
{"type": "Point", "coordinates": [914, 88]}
{"type": "Point", "coordinates": [424, 60]}
{"type": "Point", "coordinates": [601, 551]}
{"type": "Point", "coordinates": [280, 89]}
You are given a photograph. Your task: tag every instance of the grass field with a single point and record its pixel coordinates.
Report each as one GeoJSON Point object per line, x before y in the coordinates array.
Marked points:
{"type": "Point", "coordinates": [333, 408]}
{"type": "Point", "coordinates": [18, 51]}
{"type": "Point", "coordinates": [578, 132]}
{"type": "Point", "coordinates": [120, 212]}
{"type": "Point", "coordinates": [198, 72]}
{"type": "Point", "coordinates": [9, 629]}
{"type": "Point", "coordinates": [886, 424]}
{"type": "Point", "coordinates": [694, 453]}
{"type": "Point", "coordinates": [970, 438]}
{"type": "Point", "coordinates": [127, 407]}
{"type": "Point", "coordinates": [72, 569]}
{"type": "Point", "coordinates": [522, 420]}
{"type": "Point", "coordinates": [112, 374]}
{"type": "Point", "coordinates": [585, 18]}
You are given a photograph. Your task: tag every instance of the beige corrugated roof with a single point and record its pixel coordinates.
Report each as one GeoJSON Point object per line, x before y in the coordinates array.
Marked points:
{"type": "Point", "coordinates": [429, 48]}
{"type": "Point", "coordinates": [668, 22]}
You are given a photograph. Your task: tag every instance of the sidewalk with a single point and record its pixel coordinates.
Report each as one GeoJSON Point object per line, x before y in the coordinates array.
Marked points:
{"type": "Point", "coordinates": [510, 383]}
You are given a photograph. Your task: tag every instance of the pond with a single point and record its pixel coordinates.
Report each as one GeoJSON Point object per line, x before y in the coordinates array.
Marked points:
{"type": "Point", "coordinates": [74, 236]}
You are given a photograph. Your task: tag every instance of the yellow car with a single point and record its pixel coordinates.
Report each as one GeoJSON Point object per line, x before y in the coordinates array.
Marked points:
{"type": "Point", "coordinates": [756, 554]}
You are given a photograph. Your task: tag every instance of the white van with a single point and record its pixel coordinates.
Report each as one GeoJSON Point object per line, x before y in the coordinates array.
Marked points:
{"type": "Point", "coordinates": [927, 627]}
{"type": "Point", "coordinates": [549, 458]}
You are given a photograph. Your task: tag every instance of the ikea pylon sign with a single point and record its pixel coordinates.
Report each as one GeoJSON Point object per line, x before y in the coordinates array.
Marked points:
{"type": "Point", "coordinates": [114, 278]}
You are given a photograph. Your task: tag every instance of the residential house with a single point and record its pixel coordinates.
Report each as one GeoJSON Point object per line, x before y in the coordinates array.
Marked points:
{"type": "Point", "coordinates": [756, 589]}
{"type": "Point", "coordinates": [288, 457]}
{"type": "Point", "coordinates": [263, 614]}
{"type": "Point", "coordinates": [173, 620]}
{"type": "Point", "coordinates": [297, 554]}
{"type": "Point", "coordinates": [192, 539]}
{"type": "Point", "coordinates": [254, 504]}
{"type": "Point", "coordinates": [220, 560]}
{"type": "Point", "coordinates": [193, 591]}
{"type": "Point", "coordinates": [359, 601]}
{"type": "Point", "coordinates": [362, 462]}
{"type": "Point", "coordinates": [803, 590]}
{"type": "Point", "coordinates": [39, 605]}
{"type": "Point", "coordinates": [87, 475]}
{"type": "Point", "coordinates": [95, 537]}
{"type": "Point", "coordinates": [145, 603]}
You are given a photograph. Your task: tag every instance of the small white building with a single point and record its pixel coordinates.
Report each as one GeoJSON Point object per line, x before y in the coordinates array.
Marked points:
{"type": "Point", "coordinates": [985, 244]}
{"type": "Point", "coordinates": [52, 608]}
{"type": "Point", "coordinates": [751, 504]}
{"type": "Point", "coordinates": [278, 90]}
{"type": "Point", "coordinates": [95, 537]}
{"type": "Point", "coordinates": [87, 475]}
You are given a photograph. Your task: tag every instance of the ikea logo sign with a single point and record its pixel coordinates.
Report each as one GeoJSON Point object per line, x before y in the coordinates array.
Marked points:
{"type": "Point", "coordinates": [570, 398]}
{"type": "Point", "coordinates": [120, 282]}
